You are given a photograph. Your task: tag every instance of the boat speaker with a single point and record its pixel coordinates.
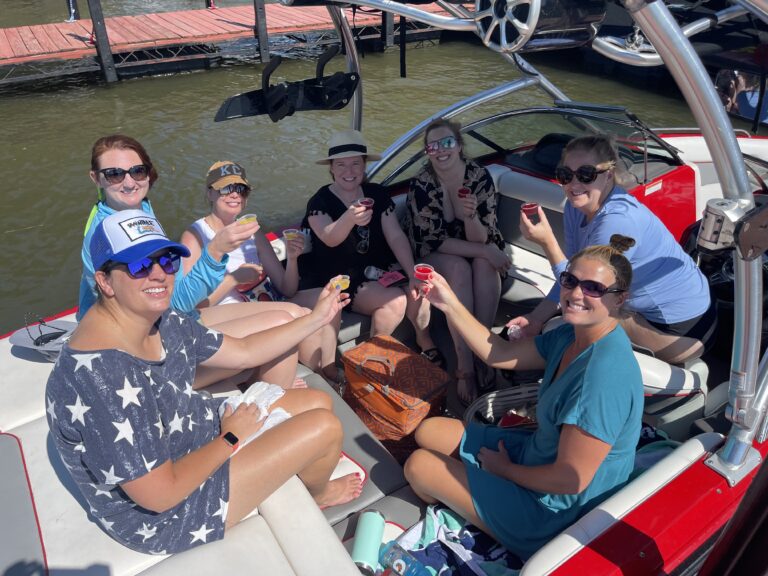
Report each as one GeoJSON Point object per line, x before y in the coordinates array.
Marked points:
{"type": "Point", "coordinates": [536, 25]}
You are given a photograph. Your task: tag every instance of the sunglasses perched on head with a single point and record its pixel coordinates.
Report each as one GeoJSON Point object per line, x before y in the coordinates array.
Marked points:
{"type": "Point", "coordinates": [139, 173]}
{"type": "Point", "coordinates": [169, 262]}
{"type": "Point", "coordinates": [240, 189]}
{"type": "Point", "coordinates": [585, 174]}
{"type": "Point", "coordinates": [590, 288]}
{"type": "Point", "coordinates": [435, 146]}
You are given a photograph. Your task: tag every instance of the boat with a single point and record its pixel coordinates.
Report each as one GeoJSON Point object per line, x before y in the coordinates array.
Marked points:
{"type": "Point", "coordinates": [709, 188]}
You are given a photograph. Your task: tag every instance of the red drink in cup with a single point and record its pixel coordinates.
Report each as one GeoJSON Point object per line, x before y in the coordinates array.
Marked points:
{"type": "Point", "coordinates": [464, 192]}
{"type": "Point", "coordinates": [366, 202]}
{"type": "Point", "coordinates": [531, 209]}
{"type": "Point", "coordinates": [422, 273]}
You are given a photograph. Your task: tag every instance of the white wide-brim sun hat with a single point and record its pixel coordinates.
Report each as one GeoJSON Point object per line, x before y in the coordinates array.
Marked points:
{"type": "Point", "coordinates": [347, 144]}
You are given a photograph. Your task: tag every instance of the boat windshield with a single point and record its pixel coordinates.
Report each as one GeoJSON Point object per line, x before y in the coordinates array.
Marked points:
{"type": "Point", "coordinates": [533, 139]}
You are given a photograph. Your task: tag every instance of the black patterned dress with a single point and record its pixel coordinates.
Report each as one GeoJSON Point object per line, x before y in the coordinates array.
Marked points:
{"type": "Point", "coordinates": [426, 225]}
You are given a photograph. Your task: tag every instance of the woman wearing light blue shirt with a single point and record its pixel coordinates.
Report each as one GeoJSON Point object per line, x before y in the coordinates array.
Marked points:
{"type": "Point", "coordinates": [669, 310]}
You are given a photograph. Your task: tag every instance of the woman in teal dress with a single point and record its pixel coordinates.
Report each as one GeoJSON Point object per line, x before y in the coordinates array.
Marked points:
{"type": "Point", "coordinates": [525, 486]}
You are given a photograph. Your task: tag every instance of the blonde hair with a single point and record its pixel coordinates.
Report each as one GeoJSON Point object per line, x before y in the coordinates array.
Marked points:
{"type": "Point", "coordinates": [611, 255]}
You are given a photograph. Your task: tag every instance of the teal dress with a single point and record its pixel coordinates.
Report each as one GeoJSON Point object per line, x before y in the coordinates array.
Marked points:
{"type": "Point", "coordinates": [601, 393]}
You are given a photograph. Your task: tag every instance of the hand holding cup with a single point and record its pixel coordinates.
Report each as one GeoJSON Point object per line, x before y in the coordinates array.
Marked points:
{"type": "Point", "coordinates": [294, 242]}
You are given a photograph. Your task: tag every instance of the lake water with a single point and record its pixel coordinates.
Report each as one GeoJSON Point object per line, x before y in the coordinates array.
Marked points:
{"type": "Point", "coordinates": [47, 135]}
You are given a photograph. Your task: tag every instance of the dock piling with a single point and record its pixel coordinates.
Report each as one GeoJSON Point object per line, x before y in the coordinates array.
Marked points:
{"type": "Point", "coordinates": [103, 50]}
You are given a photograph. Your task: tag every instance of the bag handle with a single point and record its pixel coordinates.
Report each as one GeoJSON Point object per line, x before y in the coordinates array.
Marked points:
{"type": "Point", "coordinates": [374, 358]}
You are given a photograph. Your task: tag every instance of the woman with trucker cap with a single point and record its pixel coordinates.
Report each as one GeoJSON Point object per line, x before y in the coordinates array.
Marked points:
{"type": "Point", "coordinates": [162, 467]}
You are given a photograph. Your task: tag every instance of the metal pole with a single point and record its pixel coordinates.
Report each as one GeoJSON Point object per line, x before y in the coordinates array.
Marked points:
{"type": "Point", "coordinates": [73, 12]}
{"type": "Point", "coordinates": [402, 47]}
{"type": "Point", "coordinates": [260, 29]}
{"type": "Point", "coordinates": [661, 29]}
{"type": "Point", "coordinates": [103, 50]}
{"type": "Point", "coordinates": [387, 29]}
{"type": "Point", "coordinates": [353, 63]}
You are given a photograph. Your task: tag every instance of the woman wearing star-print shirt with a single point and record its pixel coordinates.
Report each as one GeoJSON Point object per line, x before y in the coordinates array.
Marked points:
{"type": "Point", "coordinates": [156, 461]}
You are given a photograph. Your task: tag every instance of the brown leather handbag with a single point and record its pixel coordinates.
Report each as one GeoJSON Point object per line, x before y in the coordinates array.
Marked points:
{"type": "Point", "coordinates": [391, 387]}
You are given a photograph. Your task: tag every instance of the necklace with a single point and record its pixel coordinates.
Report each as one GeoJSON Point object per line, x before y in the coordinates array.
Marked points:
{"type": "Point", "coordinates": [335, 191]}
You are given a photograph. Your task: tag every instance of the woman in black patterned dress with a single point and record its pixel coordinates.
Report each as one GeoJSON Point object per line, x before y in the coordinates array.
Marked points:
{"type": "Point", "coordinates": [451, 224]}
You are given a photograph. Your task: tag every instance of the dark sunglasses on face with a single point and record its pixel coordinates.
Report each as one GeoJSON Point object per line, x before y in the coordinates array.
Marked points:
{"type": "Point", "coordinates": [169, 262]}
{"type": "Point", "coordinates": [139, 173]}
{"type": "Point", "coordinates": [447, 143]}
{"type": "Point", "coordinates": [590, 288]}
{"type": "Point", "coordinates": [240, 189]}
{"type": "Point", "coordinates": [585, 174]}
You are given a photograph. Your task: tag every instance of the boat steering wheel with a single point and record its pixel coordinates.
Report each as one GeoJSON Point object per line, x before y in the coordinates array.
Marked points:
{"type": "Point", "coordinates": [506, 25]}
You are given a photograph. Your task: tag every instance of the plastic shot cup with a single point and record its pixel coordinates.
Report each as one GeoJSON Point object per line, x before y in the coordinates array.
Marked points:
{"type": "Point", "coordinates": [367, 203]}
{"type": "Point", "coordinates": [531, 209]}
{"type": "Point", "coordinates": [422, 273]}
{"type": "Point", "coordinates": [341, 281]}
{"type": "Point", "coordinates": [291, 233]}
{"type": "Point", "coordinates": [247, 219]}
{"type": "Point", "coordinates": [464, 192]}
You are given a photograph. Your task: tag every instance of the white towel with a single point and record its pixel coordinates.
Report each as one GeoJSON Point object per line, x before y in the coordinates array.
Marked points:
{"type": "Point", "coordinates": [263, 395]}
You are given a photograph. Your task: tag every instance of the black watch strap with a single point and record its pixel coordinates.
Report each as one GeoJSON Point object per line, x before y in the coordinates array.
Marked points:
{"type": "Point", "coordinates": [231, 439]}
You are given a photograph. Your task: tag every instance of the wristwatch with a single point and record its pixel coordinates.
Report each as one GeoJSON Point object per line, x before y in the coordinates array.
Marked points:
{"type": "Point", "coordinates": [231, 440]}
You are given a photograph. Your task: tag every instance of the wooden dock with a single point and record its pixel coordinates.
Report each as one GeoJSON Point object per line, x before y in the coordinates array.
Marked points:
{"type": "Point", "coordinates": [72, 40]}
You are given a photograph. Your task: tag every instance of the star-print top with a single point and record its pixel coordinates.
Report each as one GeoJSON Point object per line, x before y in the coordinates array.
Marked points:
{"type": "Point", "coordinates": [115, 417]}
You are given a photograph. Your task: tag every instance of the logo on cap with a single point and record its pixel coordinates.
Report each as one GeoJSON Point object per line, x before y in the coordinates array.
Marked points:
{"type": "Point", "coordinates": [138, 228]}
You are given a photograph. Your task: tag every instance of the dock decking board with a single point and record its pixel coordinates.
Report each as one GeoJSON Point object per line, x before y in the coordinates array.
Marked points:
{"type": "Point", "coordinates": [70, 40]}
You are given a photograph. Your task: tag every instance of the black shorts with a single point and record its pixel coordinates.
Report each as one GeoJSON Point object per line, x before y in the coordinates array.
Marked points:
{"type": "Point", "coordinates": [701, 327]}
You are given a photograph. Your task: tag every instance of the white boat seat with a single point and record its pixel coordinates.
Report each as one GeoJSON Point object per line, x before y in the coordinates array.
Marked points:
{"type": "Point", "coordinates": [610, 512]}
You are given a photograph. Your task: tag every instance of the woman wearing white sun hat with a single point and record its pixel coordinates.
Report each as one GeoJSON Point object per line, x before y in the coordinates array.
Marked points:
{"type": "Point", "coordinates": [348, 236]}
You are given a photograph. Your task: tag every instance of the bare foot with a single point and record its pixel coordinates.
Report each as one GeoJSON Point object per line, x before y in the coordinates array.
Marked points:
{"type": "Point", "coordinates": [340, 491]}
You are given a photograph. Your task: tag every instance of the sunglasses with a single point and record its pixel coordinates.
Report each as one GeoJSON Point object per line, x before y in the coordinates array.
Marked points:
{"type": "Point", "coordinates": [240, 189]}
{"type": "Point", "coordinates": [585, 174]}
{"type": "Point", "coordinates": [447, 143]}
{"type": "Point", "coordinates": [590, 288]}
{"type": "Point", "coordinates": [139, 173]}
{"type": "Point", "coordinates": [169, 262]}
{"type": "Point", "coordinates": [363, 244]}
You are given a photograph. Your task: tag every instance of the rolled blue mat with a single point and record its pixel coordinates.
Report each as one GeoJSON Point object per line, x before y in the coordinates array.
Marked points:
{"type": "Point", "coordinates": [368, 534]}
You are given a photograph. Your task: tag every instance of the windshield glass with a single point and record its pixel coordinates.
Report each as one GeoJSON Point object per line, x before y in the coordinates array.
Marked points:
{"type": "Point", "coordinates": [533, 140]}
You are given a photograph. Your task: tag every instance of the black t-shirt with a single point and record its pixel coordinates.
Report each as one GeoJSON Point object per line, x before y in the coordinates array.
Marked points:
{"type": "Point", "coordinates": [349, 257]}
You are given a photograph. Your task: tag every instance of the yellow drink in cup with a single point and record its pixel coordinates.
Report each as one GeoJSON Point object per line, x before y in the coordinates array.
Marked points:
{"type": "Point", "coordinates": [247, 219]}
{"type": "Point", "coordinates": [341, 282]}
{"type": "Point", "coordinates": [291, 233]}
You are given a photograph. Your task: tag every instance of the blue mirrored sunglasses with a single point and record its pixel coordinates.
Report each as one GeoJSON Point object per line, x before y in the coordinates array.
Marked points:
{"type": "Point", "coordinates": [170, 262]}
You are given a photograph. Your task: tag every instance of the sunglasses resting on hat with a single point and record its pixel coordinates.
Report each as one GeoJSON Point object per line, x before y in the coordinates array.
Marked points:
{"type": "Point", "coordinates": [585, 174]}
{"type": "Point", "coordinates": [169, 261]}
{"type": "Point", "coordinates": [139, 173]}
{"type": "Point", "coordinates": [447, 143]}
{"type": "Point", "coordinates": [591, 288]}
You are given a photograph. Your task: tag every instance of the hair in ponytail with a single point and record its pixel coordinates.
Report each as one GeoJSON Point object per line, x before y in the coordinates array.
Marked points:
{"type": "Point", "coordinates": [612, 256]}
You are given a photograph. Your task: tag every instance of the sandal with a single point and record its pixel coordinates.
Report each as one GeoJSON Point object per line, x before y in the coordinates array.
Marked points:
{"type": "Point", "coordinates": [467, 377]}
{"type": "Point", "coordinates": [486, 377]}
{"type": "Point", "coordinates": [435, 356]}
